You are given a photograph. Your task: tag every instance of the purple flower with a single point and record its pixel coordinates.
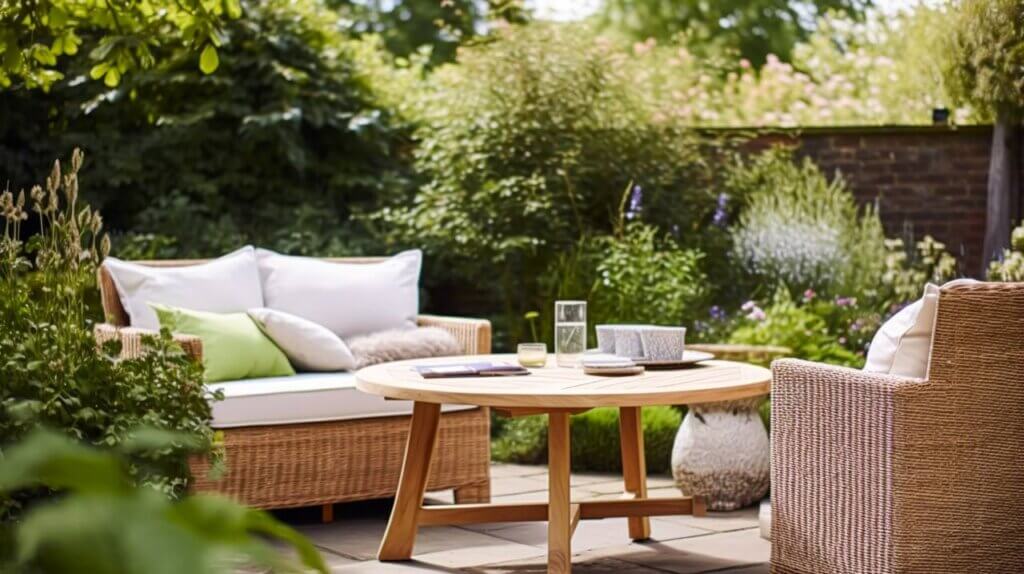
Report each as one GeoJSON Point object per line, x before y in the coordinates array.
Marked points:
{"type": "Point", "coordinates": [748, 306]}
{"type": "Point", "coordinates": [846, 301]}
{"type": "Point", "coordinates": [636, 203]}
{"type": "Point", "coordinates": [721, 215]}
{"type": "Point", "coordinates": [809, 295]}
{"type": "Point", "coordinates": [757, 314]}
{"type": "Point", "coordinates": [717, 313]}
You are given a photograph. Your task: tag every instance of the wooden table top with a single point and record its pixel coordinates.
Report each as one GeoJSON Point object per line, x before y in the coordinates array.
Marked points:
{"type": "Point", "coordinates": [556, 387]}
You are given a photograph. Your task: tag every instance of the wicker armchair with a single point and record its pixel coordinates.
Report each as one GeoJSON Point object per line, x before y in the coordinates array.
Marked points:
{"type": "Point", "coordinates": [321, 463]}
{"type": "Point", "coordinates": [882, 474]}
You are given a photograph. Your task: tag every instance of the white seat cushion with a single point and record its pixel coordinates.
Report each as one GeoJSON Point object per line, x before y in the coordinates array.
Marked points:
{"type": "Point", "coordinates": [303, 398]}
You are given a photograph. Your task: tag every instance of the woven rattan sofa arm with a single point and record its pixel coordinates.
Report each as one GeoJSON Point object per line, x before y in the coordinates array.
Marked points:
{"type": "Point", "coordinates": [133, 340]}
{"type": "Point", "coordinates": [832, 466]}
{"type": "Point", "coordinates": [473, 334]}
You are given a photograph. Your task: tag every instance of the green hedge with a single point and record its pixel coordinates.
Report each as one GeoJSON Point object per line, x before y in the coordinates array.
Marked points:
{"type": "Point", "coordinates": [595, 439]}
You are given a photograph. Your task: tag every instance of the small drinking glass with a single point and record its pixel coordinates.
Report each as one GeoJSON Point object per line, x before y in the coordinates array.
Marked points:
{"type": "Point", "coordinates": [570, 332]}
{"type": "Point", "coordinates": [532, 354]}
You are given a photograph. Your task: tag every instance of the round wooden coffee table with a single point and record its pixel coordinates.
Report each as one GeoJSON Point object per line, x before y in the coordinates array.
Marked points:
{"type": "Point", "coordinates": [557, 392]}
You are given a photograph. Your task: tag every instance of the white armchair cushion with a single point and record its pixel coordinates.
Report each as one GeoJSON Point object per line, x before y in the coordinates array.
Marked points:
{"type": "Point", "coordinates": [229, 284]}
{"type": "Point", "coordinates": [309, 347]}
{"type": "Point", "coordinates": [350, 299]}
{"type": "Point", "coordinates": [903, 344]}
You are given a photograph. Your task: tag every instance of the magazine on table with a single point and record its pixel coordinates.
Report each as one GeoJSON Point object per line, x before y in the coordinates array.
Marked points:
{"type": "Point", "coordinates": [476, 369]}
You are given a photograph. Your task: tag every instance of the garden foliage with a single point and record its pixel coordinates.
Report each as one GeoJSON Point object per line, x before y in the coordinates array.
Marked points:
{"type": "Point", "coordinates": [102, 524]}
{"type": "Point", "coordinates": [526, 146]}
{"type": "Point", "coordinates": [1011, 266]}
{"type": "Point", "coordinates": [278, 147]}
{"type": "Point", "coordinates": [884, 69]}
{"type": "Point", "coordinates": [752, 28]}
{"type": "Point", "coordinates": [52, 371]}
{"type": "Point", "coordinates": [802, 231]}
{"type": "Point", "coordinates": [127, 36]}
{"type": "Point", "coordinates": [985, 57]}
{"type": "Point", "coordinates": [594, 439]}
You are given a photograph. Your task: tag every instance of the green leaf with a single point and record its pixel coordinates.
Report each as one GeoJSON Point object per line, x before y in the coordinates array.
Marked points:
{"type": "Point", "coordinates": [151, 440]}
{"type": "Point", "coordinates": [99, 70]}
{"type": "Point", "coordinates": [233, 8]}
{"type": "Point", "coordinates": [125, 534]}
{"type": "Point", "coordinates": [71, 43]}
{"type": "Point", "coordinates": [208, 60]}
{"type": "Point", "coordinates": [58, 17]}
{"type": "Point", "coordinates": [112, 78]}
{"type": "Point", "coordinates": [46, 458]}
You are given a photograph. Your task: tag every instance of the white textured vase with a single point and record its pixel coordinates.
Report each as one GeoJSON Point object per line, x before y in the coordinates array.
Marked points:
{"type": "Point", "coordinates": [721, 453]}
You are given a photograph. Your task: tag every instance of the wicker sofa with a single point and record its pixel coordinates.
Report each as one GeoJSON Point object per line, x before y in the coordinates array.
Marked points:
{"type": "Point", "coordinates": [884, 474]}
{"type": "Point", "coordinates": [321, 463]}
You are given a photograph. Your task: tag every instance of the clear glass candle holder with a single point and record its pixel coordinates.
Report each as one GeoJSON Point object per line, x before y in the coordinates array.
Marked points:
{"type": "Point", "coordinates": [570, 332]}
{"type": "Point", "coordinates": [532, 354]}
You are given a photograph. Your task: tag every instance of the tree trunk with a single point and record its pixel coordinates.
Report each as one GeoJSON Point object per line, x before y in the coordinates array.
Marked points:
{"type": "Point", "coordinates": [1003, 189]}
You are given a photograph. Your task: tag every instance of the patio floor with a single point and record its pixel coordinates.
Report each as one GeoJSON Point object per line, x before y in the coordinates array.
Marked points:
{"type": "Point", "coordinates": [724, 543]}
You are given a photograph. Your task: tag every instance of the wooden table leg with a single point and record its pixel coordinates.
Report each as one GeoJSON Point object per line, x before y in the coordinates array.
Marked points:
{"type": "Point", "coordinates": [560, 515]}
{"type": "Point", "coordinates": [634, 467]}
{"type": "Point", "coordinates": [401, 532]}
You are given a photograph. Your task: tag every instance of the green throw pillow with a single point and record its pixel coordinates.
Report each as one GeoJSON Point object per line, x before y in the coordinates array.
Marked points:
{"type": "Point", "coordinates": [233, 346]}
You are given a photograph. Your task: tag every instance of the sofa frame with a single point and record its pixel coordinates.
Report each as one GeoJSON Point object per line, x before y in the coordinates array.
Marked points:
{"type": "Point", "coordinates": [322, 463]}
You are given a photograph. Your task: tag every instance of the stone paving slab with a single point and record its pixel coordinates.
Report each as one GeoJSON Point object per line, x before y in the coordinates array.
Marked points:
{"type": "Point", "coordinates": [723, 543]}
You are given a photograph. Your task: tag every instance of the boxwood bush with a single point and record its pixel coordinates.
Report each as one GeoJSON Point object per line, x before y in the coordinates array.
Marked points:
{"type": "Point", "coordinates": [594, 436]}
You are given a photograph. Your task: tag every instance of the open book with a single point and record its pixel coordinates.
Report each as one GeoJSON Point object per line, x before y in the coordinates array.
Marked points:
{"type": "Point", "coordinates": [483, 369]}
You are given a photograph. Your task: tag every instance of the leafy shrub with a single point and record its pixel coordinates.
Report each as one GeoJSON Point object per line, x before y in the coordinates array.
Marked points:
{"type": "Point", "coordinates": [884, 69]}
{"type": "Point", "coordinates": [786, 324]}
{"type": "Point", "coordinates": [280, 146]}
{"type": "Point", "coordinates": [644, 278]}
{"type": "Point", "coordinates": [526, 145]}
{"type": "Point", "coordinates": [985, 57]}
{"type": "Point", "coordinates": [52, 371]}
{"type": "Point", "coordinates": [907, 270]}
{"type": "Point", "coordinates": [1011, 266]}
{"type": "Point", "coordinates": [594, 439]}
{"type": "Point", "coordinates": [799, 230]}
{"type": "Point", "coordinates": [103, 524]}
{"type": "Point", "coordinates": [638, 275]}
{"type": "Point", "coordinates": [132, 35]}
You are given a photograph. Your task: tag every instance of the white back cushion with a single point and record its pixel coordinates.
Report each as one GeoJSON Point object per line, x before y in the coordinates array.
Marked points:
{"type": "Point", "coordinates": [230, 284]}
{"type": "Point", "coordinates": [309, 347]}
{"type": "Point", "coordinates": [903, 344]}
{"type": "Point", "coordinates": [348, 298]}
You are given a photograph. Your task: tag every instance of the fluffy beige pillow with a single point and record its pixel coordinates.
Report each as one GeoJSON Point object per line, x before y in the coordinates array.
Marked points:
{"type": "Point", "coordinates": [309, 347]}
{"type": "Point", "coordinates": [400, 344]}
{"type": "Point", "coordinates": [903, 345]}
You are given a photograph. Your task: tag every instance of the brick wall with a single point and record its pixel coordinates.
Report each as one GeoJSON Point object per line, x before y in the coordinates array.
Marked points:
{"type": "Point", "coordinates": [925, 180]}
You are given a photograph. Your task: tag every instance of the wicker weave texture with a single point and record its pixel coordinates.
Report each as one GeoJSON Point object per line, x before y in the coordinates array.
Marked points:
{"type": "Point", "coordinates": [284, 466]}
{"type": "Point", "coordinates": [881, 474]}
{"type": "Point", "coordinates": [318, 463]}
